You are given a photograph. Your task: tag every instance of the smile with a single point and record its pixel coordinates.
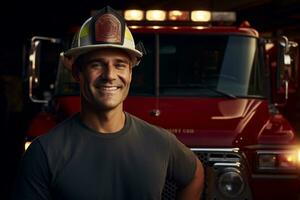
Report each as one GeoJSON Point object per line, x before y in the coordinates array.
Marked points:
{"type": "Point", "coordinates": [108, 88]}
{"type": "Point", "coordinates": [111, 88]}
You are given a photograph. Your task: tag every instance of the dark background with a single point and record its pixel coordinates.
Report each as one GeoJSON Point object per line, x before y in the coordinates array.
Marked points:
{"type": "Point", "coordinates": [20, 20]}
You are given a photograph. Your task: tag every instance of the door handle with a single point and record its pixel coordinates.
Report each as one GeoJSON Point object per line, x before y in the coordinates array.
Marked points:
{"type": "Point", "coordinates": [155, 112]}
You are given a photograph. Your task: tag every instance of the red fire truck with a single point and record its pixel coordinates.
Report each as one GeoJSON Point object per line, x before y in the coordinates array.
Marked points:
{"type": "Point", "coordinates": [212, 85]}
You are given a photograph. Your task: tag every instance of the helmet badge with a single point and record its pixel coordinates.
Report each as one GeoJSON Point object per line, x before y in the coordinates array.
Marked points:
{"type": "Point", "coordinates": [108, 29]}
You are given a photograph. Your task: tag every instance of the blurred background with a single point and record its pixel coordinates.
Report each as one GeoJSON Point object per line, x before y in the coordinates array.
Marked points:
{"type": "Point", "coordinates": [20, 20]}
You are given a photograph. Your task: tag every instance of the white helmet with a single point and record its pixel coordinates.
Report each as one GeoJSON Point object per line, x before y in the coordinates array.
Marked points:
{"type": "Point", "coordinates": [106, 29]}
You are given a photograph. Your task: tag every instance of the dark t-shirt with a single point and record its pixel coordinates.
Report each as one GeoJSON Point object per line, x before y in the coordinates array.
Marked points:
{"type": "Point", "coordinates": [75, 162]}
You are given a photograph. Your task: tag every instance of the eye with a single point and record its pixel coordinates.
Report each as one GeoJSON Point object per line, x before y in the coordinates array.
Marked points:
{"type": "Point", "coordinates": [95, 64]}
{"type": "Point", "coordinates": [121, 65]}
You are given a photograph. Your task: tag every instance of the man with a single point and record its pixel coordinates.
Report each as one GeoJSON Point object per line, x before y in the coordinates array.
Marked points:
{"type": "Point", "coordinates": [104, 152]}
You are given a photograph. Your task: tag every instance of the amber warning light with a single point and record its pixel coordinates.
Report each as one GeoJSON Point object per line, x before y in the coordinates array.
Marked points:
{"type": "Point", "coordinates": [179, 15]}
{"type": "Point", "coordinates": [279, 160]}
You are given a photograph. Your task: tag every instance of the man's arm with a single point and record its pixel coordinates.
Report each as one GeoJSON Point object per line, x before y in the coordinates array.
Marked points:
{"type": "Point", "coordinates": [193, 190]}
{"type": "Point", "coordinates": [33, 177]}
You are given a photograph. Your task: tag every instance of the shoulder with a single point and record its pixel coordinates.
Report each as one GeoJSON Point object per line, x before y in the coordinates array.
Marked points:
{"type": "Point", "coordinates": [62, 139]}
{"type": "Point", "coordinates": [60, 131]}
{"type": "Point", "coordinates": [61, 143]}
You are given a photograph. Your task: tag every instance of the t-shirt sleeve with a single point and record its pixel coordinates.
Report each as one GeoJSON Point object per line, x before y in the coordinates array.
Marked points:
{"type": "Point", "coordinates": [182, 163]}
{"type": "Point", "coordinates": [33, 177]}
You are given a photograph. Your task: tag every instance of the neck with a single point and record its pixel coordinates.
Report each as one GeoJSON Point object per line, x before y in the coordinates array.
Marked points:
{"type": "Point", "coordinates": [107, 122]}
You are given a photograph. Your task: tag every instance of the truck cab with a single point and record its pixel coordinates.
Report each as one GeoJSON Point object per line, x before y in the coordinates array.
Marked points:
{"type": "Point", "coordinates": [208, 84]}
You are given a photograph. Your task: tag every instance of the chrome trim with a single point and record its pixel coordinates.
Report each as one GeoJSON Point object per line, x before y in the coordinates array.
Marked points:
{"type": "Point", "coordinates": [237, 164]}
{"type": "Point", "coordinates": [218, 159]}
{"type": "Point", "coordinates": [33, 68]}
{"type": "Point", "coordinates": [52, 40]}
{"type": "Point", "coordinates": [216, 149]}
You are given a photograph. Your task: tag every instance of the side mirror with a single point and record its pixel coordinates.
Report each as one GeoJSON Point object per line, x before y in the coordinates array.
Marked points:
{"type": "Point", "coordinates": [42, 67]}
{"type": "Point", "coordinates": [287, 73]}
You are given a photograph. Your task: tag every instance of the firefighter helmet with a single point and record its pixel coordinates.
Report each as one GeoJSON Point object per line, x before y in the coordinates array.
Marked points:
{"type": "Point", "coordinates": [106, 29]}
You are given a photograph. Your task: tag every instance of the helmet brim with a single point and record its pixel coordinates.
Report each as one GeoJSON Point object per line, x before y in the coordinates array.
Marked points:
{"type": "Point", "coordinates": [76, 52]}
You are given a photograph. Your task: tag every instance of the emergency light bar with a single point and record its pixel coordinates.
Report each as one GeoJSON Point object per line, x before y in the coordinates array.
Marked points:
{"type": "Point", "coordinates": [178, 15]}
{"type": "Point", "coordinates": [136, 15]}
{"type": "Point", "coordinates": [200, 16]}
{"type": "Point", "coordinates": [156, 15]}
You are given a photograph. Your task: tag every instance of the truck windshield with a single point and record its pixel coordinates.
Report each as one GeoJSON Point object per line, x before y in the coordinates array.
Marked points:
{"type": "Point", "coordinates": [200, 65]}
{"type": "Point", "coordinates": [191, 65]}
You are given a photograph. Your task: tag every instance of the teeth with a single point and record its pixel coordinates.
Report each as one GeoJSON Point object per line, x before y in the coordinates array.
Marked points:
{"type": "Point", "coordinates": [109, 88]}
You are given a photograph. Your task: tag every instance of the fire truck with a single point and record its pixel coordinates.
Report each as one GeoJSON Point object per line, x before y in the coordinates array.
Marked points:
{"type": "Point", "coordinates": [215, 85]}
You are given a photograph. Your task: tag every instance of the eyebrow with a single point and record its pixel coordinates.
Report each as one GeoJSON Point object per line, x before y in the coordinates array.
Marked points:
{"type": "Point", "coordinates": [122, 60]}
{"type": "Point", "coordinates": [94, 60]}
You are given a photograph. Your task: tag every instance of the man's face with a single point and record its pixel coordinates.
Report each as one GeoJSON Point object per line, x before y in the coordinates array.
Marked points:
{"type": "Point", "coordinates": [105, 78]}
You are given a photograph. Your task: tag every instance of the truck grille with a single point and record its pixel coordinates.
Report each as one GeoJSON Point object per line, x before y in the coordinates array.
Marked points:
{"type": "Point", "coordinates": [215, 161]}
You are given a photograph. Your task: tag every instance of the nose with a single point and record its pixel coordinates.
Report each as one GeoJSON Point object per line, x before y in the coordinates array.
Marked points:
{"type": "Point", "coordinates": [109, 73]}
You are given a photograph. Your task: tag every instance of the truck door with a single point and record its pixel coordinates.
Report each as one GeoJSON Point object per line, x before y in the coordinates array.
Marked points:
{"type": "Point", "coordinates": [143, 96]}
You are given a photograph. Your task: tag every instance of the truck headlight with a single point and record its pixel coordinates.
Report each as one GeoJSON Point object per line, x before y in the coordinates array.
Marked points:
{"type": "Point", "coordinates": [231, 183]}
{"type": "Point", "coordinates": [278, 160]}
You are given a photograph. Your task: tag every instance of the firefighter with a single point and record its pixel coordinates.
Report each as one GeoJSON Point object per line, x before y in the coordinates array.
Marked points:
{"type": "Point", "coordinates": [104, 152]}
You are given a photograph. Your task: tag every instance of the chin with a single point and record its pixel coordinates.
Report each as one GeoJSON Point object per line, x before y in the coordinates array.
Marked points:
{"type": "Point", "coordinates": [107, 106]}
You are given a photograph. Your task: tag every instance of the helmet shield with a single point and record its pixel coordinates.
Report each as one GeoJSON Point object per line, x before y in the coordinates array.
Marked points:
{"type": "Point", "coordinates": [107, 27]}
